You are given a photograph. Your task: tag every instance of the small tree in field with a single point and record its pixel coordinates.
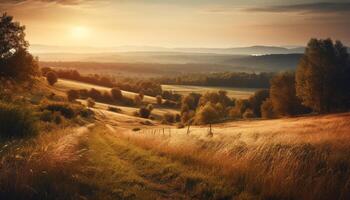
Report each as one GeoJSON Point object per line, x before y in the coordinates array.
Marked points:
{"type": "Point", "coordinates": [144, 112]}
{"type": "Point", "coordinates": [159, 99]}
{"type": "Point", "coordinates": [51, 78]}
{"type": "Point", "coordinates": [267, 109]}
{"type": "Point", "coordinates": [207, 114]}
{"type": "Point", "coordinates": [90, 102]}
{"type": "Point", "coordinates": [72, 95]}
{"type": "Point", "coordinates": [117, 94]}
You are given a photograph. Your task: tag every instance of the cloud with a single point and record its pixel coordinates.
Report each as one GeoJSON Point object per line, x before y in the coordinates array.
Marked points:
{"type": "Point", "coordinates": [62, 2]}
{"type": "Point", "coordinates": [323, 7]}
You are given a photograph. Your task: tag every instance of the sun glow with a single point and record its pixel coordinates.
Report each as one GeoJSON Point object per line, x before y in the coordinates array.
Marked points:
{"type": "Point", "coordinates": [80, 32]}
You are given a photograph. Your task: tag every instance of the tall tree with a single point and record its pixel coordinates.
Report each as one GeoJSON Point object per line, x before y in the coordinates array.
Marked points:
{"type": "Point", "coordinates": [323, 76]}
{"type": "Point", "coordinates": [15, 61]}
{"type": "Point", "coordinates": [283, 95]}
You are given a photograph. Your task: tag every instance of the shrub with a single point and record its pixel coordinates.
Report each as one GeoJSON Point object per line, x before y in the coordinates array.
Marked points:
{"type": "Point", "coordinates": [90, 102]}
{"type": "Point", "coordinates": [159, 99]}
{"type": "Point", "coordinates": [95, 94]}
{"type": "Point", "coordinates": [169, 118]}
{"type": "Point", "coordinates": [51, 77]}
{"type": "Point", "coordinates": [65, 109]}
{"type": "Point", "coordinates": [48, 116]}
{"type": "Point", "coordinates": [16, 121]}
{"type": "Point", "coordinates": [72, 95]}
{"type": "Point", "coordinates": [114, 109]}
{"type": "Point", "coordinates": [86, 113]}
{"type": "Point", "coordinates": [144, 112]}
{"type": "Point", "coordinates": [137, 100]}
{"type": "Point", "coordinates": [150, 107]}
{"type": "Point", "coordinates": [178, 117]}
{"type": "Point", "coordinates": [267, 109]}
{"type": "Point", "coordinates": [180, 125]}
{"type": "Point", "coordinates": [117, 94]}
{"type": "Point", "coordinates": [248, 114]}
{"type": "Point", "coordinates": [170, 104]}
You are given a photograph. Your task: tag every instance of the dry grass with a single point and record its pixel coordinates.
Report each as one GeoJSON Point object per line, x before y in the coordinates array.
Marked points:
{"type": "Point", "coordinates": [297, 158]}
{"type": "Point", "coordinates": [42, 167]}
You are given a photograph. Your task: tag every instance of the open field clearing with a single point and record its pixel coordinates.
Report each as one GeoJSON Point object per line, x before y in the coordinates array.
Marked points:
{"type": "Point", "coordinates": [238, 93]}
{"type": "Point", "coordinates": [68, 84]}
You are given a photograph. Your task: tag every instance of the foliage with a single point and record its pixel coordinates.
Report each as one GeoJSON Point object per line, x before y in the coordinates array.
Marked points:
{"type": "Point", "coordinates": [159, 99]}
{"type": "Point", "coordinates": [15, 61]}
{"type": "Point", "coordinates": [51, 78]}
{"type": "Point", "coordinates": [65, 109]}
{"type": "Point", "coordinates": [90, 102]}
{"type": "Point", "coordinates": [256, 100]}
{"type": "Point", "coordinates": [323, 76]}
{"type": "Point", "coordinates": [72, 95]}
{"type": "Point", "coordinates": [206, 114]}
{"type": "Point", "coordinates": [116, 94]}
{"type": "Point", "coordinates": [248, 114]}
{"type": "Point", "coordinates": [144, 112]}
{"type": "Point", "coordinates": [16, 121]}
{"type": "Point", "coordinates": [169, 118]}
{"type": "Point", "coordinates": [227, 79]}
{"type": "Point", "coordinates": [267, 109]}
{"type": "Point", "coordinates": [283, 95]}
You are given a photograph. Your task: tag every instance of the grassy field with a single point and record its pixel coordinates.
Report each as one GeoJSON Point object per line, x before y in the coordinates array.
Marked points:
{"type": "Point", "coordinates": [119, 156]}
{"type": "Point", "coordinates": [238, 93]}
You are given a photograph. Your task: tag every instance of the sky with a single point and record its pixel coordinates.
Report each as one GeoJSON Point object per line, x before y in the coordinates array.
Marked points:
{"type": "Point", "coordinates": [180, 23]}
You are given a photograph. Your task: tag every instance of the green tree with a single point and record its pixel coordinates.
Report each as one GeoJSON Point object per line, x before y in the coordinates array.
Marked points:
{"type": "Point", "coordinates": [257, 100]}
{"type": "Point", "coordinates": [207, 114]}
{"type": "Point", "coordinates": [283, 95]}
{"type": "Point", "coordinates": [15, 61]}
{"type": "Point", "coordinates": [51, 78]}
{"type": "Point", "coordinates": [117, 94]}
{"type": "Point", "coordinates": [323, 76]}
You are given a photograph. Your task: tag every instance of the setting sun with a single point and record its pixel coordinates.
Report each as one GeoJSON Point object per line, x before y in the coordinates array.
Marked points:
{"type": "Point", "coordinates": [80, 32]}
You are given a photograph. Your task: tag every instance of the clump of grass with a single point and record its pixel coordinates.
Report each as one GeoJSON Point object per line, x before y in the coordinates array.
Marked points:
{"type": "Point", "coordinates": [16, 121]}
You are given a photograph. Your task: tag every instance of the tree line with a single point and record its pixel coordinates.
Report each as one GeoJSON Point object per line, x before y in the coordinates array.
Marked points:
{"type": "Point", "coordinates": [222, 79]}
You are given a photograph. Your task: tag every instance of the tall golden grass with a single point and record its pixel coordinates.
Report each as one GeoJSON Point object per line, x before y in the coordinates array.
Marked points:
{"type": "Point", "coordinates": [298, 158]}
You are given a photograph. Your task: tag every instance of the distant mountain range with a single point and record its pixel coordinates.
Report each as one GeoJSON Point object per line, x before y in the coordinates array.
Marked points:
{"type": "Point", "coordinates": [252, 50]}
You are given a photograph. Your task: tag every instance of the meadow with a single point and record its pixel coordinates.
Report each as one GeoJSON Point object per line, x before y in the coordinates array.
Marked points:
{"type": "Point", "coordinates": [238, 93]}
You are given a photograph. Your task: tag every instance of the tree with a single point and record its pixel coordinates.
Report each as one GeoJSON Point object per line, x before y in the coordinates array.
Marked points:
{"type": "Point", "coordinates": [159, 99]}
{"type": "Point", "coordinates": [117, 94]}
{"type": "Point", "coordinates": [51, 78]}
{"type": "Point", "coordinates": [144, 112]}
{"type": "Point", "coordinates": [207, 114]}
{"type": "Point", "coordinates": [90, 102]}
{"type": "Point", "coordinates": [323, 76]}
{"type": "Point", "coordinates": [267, 109]}
{"type": "Point", "coordinates": [257, 99]}
{"type": "Point", "coordinates": [15, 61]}
{"type": "Point", "coordinates": [283, 95]}
{"type": "Point", "coordinates": [72, 95]}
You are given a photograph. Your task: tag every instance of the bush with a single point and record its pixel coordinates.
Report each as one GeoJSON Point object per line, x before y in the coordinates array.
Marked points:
{"type": "Point", "coordinates": [159, 99]}
{"type": "Point", "coordinates": [48, 116]}
{"type": "Point", "coordinates": [137, 100]}
{"type": "Point", "coordinates": [150, 107]}
{"type": "Point", "coordinates": [72, 95]}
{"type": "Point", "coordinates": [86, 113]}
{"type": "Point", "coordinates": [90, 102]}
{"type": "Point", "coordinates": [144, 112]}
{"type": "Point", "coordinates": [180, 125]}
{"type": "Point", "coordinates": [267, 109]}
{"type": "Point", "coordinates": [65, 109]}
{"type": "Point", "coordinates": [16, 121]}
{"type": "Point", "coordinates": [114, 109]}
{"type": "Point", "coordinates": [248, 114]}
{"type": "Point", "coordinates": [169, 118]}
{"type": "Point", "coordinates": [117, 94]}
{"type": "Point", "coordinates": [51, 77]}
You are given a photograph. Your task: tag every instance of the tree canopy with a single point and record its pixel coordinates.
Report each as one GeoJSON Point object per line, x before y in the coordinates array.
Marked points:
{"type": "Point", "coordinates": [323, 76]}
{"type": "Point", "coordinates": [15, 61]}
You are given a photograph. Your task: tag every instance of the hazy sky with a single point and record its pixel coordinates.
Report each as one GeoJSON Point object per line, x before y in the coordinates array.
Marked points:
{"type": "Point", "coordinates": [180, 23]}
